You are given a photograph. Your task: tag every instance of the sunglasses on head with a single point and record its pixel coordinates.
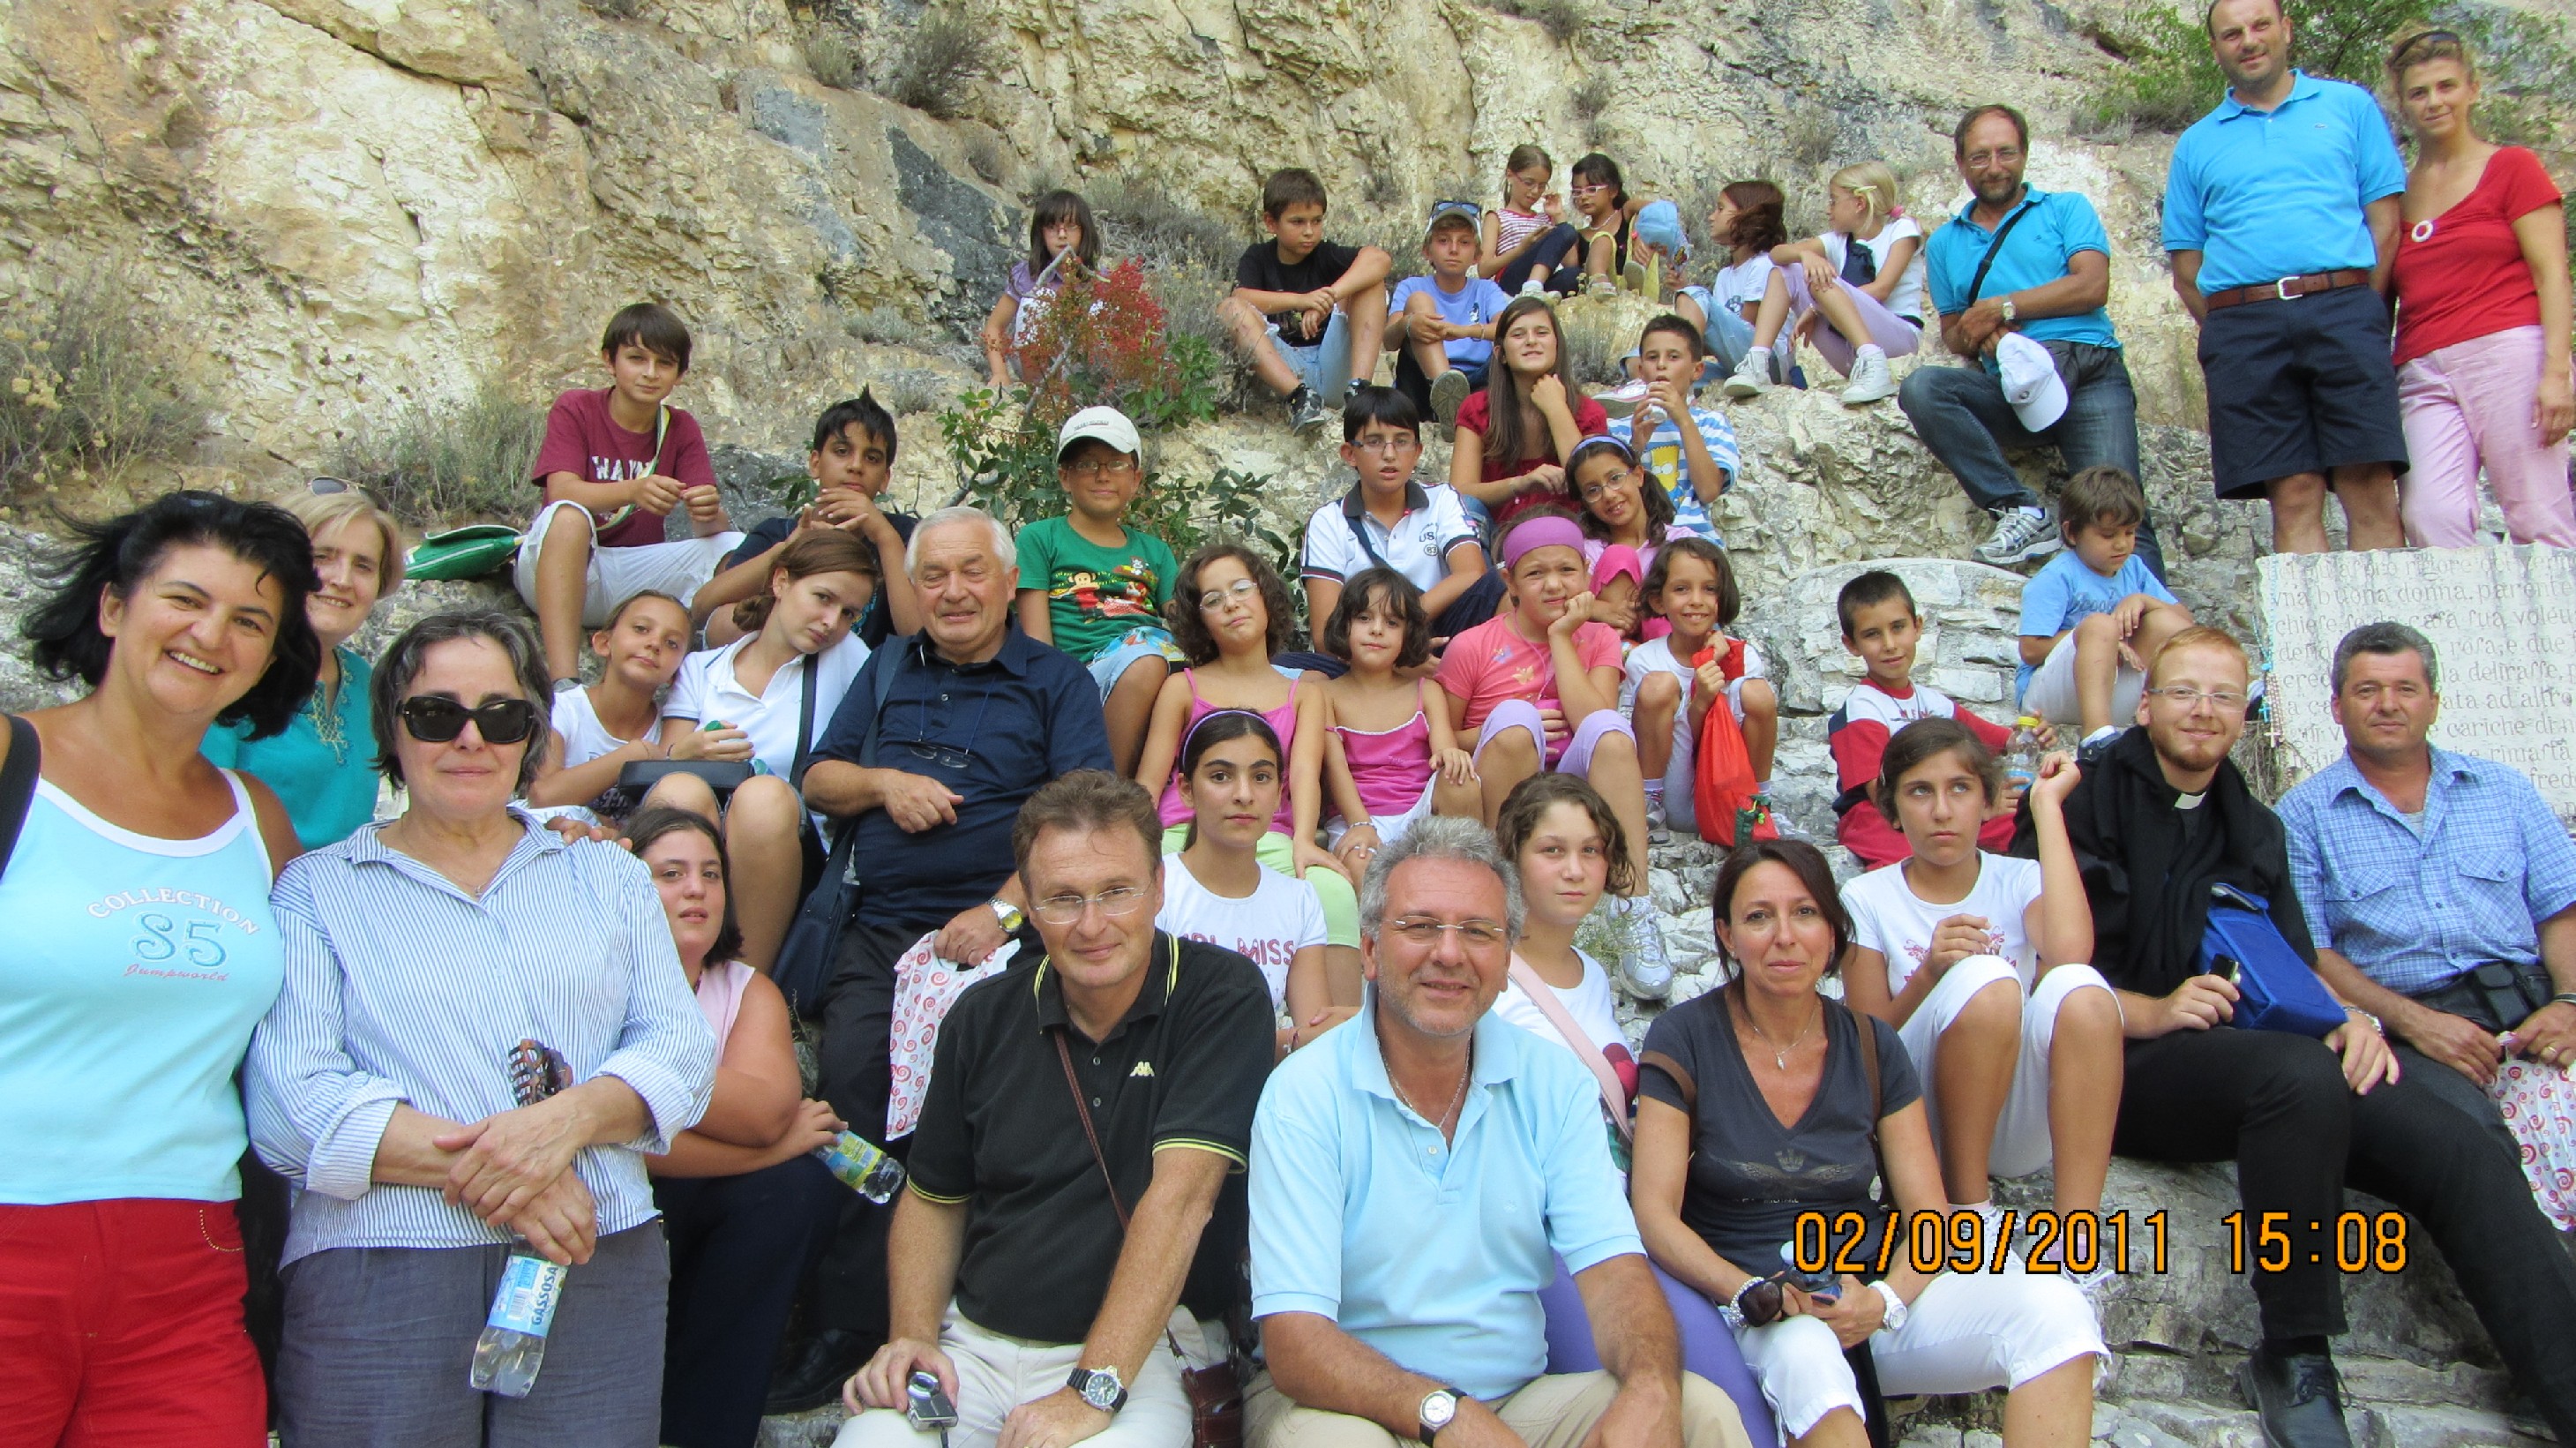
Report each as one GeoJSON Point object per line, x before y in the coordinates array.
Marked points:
{"type": "Point", "coordinates": [433, 719]}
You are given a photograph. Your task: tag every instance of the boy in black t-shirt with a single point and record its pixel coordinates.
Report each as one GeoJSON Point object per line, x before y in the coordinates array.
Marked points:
{"type": "Point", "coordinates": [851, 462]}
{"type": "Point", "coordinates": [1304, 309]}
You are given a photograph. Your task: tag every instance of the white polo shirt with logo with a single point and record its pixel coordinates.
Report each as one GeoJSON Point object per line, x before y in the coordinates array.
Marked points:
{"type": "Point", "coordinates": [1417, 546]}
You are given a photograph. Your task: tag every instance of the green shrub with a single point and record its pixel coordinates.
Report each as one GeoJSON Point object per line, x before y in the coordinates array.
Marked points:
{"type": "Point", "coordinates": [937, 64]}
{"type": "Point", "coordinates": [90, 391]}
{"type": "Point", "coordinates": [883, 326]}
{"type": "Point", "coordinates": [448, 461]}
{"type": "Point", "coordinates": [831, 61]}
{"type": "Point", "coordinates": [1559, 18]}
{"type": "Point", "coordinates": [2169, 79]}
{"type": "Point", "coordinates": [1153, 224]}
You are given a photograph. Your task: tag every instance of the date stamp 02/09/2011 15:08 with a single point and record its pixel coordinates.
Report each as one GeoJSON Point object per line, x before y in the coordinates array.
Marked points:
{"type": "Point", "coordinates": [2081, 1242]}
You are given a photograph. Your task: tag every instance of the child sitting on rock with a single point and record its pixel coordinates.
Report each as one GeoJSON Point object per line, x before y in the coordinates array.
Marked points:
{"type": "Point", "coordinates": [1441, 325]}
{"type": "Point", "coordinates": [1513, 435]}
{"type": "Point", "coordinates": [1881, 628]}
{"type": "Point", "coordinates": [1304, 309]}
{"type": "Point", "coordinates": [1673, 681]}
{"type": "Point", "coordinates": [1388, 520]}
{"type": "Point", "coordinates": [852, 463]}
{"type": "Point", "coordinates": [1693, 464]}
{"type": "Point", "coordinates": [1392, 757]}
{"type": "Point", "coordinates": [1527, 236]}
{"type": "Point", "coordinates": [1625, 518]}
{"type": "Point", "coordinates": [1748, 221]}
{"type": "Point", "coordinates": [1062, 239]}
{"type": "Point", "coordinates": [1857, 290]}
{"type": "Point", "coordinates": [2094, 615]}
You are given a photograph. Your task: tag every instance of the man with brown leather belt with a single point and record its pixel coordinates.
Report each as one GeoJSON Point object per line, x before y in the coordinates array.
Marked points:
{"type": "Point", "coordinates": [2281, 215]}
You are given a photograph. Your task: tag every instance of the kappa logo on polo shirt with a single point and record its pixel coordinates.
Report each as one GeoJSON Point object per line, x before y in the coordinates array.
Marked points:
{"type": "Point", "coordinates": [1143, 1068]}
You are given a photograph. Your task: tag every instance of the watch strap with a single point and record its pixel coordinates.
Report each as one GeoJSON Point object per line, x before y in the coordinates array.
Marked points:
{"type": "Point", "coordinates": [1081, 1379]}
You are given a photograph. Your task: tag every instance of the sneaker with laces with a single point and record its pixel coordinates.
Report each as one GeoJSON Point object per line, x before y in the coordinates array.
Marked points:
{"type": "Point", "coordinates": [1305, 410]}
{"type": "Point", "coordinates": [1870, 382]}
{"type": "Point", "coordinates": [1448, 393]}
{"type": "Point", "coordinates": [1602, 287]}
{"type": "Point", "coordinates": [1644, 968]}
{"type": "Point", "coordinates": [1622, 400]}
{"type": "Point", "coordinates": [1748, 379]}
{"type": "Point", "coordinates": [1659, 824]}
{"type": "Point", "coordinates": [2020, 535]}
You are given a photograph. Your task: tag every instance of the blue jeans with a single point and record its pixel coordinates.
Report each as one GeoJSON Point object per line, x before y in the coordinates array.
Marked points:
{"type": "Point", "coordinates": [1961, 415]}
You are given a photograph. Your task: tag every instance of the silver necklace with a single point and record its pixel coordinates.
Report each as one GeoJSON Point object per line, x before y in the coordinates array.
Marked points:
{"type": "Point", "coordinates": [1442, 1122]}
{"type": "Point", "coordinates": [1780, 1054]}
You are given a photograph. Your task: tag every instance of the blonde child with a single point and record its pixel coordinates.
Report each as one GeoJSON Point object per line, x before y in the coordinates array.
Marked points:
{"type": "Point", "coordinates": [600, 729]}
{"type": "Point", "coordinates": [1857, 290]}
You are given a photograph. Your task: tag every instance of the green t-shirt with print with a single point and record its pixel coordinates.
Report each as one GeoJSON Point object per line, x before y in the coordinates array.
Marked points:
{"type": "Point", "coordinates": [1096, 595]}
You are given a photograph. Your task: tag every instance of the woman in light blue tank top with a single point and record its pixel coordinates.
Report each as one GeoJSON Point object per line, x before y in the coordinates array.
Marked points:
{"type": "Point", "coordinates": [142, 953]}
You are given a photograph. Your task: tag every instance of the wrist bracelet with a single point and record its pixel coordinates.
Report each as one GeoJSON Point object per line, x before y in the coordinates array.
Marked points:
{"type": "Point", "coordinates": [2564, 998]}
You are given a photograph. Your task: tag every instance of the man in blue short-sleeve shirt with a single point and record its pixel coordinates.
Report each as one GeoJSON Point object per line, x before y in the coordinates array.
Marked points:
{"type": "Point", "coordinates": [1412, 1173]}
{"type": "Point", "coordinates": [2281, 214]}
{"type": "Point", "coordinates": [2049, 280]}
{"type": "Point", "coordinates": [975, 718]}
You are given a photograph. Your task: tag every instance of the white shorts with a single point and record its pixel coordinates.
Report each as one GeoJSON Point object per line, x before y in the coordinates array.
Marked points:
{"type": "Point", "coordinates": [2021, 1135]}
{"type": "Point", "coordinates": [2051, 695]}
{"type": "Point", "coordinates": [1681, 772]}
{"type": "Point", "coordinates": [996, 1374]}
{"type": "Point", "coordinates": [1962, 1334]}
{"type": "Point", "coordinates": [1390, 828]}
{"type": "Point", "coordinates": [617, 574]}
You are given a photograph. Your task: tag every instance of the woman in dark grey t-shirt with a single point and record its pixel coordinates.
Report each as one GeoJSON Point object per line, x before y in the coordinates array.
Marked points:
{"type": "Point", "coordinates": [1755, 1108]}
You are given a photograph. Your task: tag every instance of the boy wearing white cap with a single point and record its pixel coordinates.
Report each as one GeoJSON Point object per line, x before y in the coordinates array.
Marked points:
{"type": "Point", "coordinates": [2093, 616]}
{"type": "Point", "coordinates": [1094, 587]}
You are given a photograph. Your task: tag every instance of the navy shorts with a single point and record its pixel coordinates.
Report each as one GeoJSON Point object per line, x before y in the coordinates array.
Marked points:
{"type": "Point", "coordinates": [2299, 386]}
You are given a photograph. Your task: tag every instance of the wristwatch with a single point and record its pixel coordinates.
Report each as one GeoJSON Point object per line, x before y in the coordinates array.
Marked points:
{"type": "Point", "coordinates": [1893, 1320]}
{"type": "Point", "coordinates": [1099, 1387]}
{"type": "Point", "coordinates": [2011, 312]}
{"type": "Point", "coordinates": [1008, 913]}
{"type": "Point", "coordinates": [2361, 1014]}
{"type": "Point", "coordinates": [1439, 1406]}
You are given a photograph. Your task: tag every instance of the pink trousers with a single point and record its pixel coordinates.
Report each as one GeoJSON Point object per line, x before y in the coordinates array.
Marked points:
{"type": "Point", "coordinates": [2470, 404]}
{"type": "Point", "coordinates": [1894, 335]}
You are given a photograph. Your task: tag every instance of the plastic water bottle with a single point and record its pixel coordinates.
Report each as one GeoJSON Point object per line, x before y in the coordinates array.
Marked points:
{"type": "Point", "coordinates": [513, 1344]}
{"type": "Point", "coordinates": [2022, 753]}
{"type": "Point", "coordinates": [863, 1167]}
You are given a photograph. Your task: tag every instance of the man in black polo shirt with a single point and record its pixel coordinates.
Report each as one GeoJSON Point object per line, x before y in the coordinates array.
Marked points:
{"type": "Point", "coordinates": [1053, 1305]}
{"type": "Point", "coordinates": [976, 716]}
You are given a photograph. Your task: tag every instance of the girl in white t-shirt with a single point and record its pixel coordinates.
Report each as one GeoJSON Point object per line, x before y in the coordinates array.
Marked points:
{"type": "Point", "coordinates": [1217, 890]}
{"type": "Point", "coordinates": [1856, 292]}
{"type": "Point", "coordinates": [1668, 689]}
{"type": "Point", "coordinates": [748, 699]}
{"type": "Point", "coordinates": [1748, 221]}
{"type": "Point", "coordinates": [1975, 959]}
{"type": "Point", "coordinates": [1570, 848]}
{"type": "Point", "coordinates": [600, 729]}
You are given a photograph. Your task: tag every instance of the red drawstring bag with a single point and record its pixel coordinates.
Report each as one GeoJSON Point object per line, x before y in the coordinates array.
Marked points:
{"type": "Point", "coordinates": [1722, 775]}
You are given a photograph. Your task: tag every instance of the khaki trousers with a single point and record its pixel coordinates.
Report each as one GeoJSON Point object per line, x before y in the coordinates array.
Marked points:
{"type": "Point", "coordinates": [1554, 1411]}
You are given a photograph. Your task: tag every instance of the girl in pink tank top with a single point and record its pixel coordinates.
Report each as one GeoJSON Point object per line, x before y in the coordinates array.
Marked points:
{"type": "Point", "coordinates": [1399, 755]}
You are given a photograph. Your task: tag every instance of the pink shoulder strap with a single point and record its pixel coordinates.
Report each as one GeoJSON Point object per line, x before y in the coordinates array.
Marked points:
{"type": "Point", "coordinates": [1543, 996]}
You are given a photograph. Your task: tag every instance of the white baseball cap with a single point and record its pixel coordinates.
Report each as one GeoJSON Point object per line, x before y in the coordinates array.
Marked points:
{"type": "Point", "coordinates": [1107, 424]}
{"type": "Point", "coordinates": [2031, 383]}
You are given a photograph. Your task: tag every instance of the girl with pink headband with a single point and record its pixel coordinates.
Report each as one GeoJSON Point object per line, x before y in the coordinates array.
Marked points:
{"type": "Point", "coordinates": [1538, 687]}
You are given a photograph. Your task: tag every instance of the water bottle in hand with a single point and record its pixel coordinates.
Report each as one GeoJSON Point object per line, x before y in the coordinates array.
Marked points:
{"type": "Point", "coordinates": [863, 1167]}
{"type": "Point", "coordinates": [513, 1344]}
{"type": "Point", "coordinates": [2022, 754]}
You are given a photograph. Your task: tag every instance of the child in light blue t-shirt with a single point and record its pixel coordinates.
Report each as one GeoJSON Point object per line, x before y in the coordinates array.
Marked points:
{"type": "Point", "coordinates": [1696, 466]}
{"type": "Point", "coordinates": [1441, 325]}
{"type": "Point", "coordinates": [2094, 615]}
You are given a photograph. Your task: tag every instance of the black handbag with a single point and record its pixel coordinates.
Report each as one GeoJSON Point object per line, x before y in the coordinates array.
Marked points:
{"type": "Point", "coordinates": [2495, 997]}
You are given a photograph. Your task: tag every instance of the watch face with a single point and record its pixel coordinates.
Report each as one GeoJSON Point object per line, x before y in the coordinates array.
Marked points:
{"type": "Point", "coordinates": [1438, 1409]}
{"type": "Point", "coordinates": [1100, 1389]}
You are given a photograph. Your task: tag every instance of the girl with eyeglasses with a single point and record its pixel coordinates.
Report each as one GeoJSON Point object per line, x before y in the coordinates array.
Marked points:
{"type": "Point", "coordinates": [143, 952]}
{"type": "Point", "coordinates": [319, 764]}
{"type": "Point", "coordinates": [1527, 235]}
{"type": "Point", "coordinates": [1760, 1103]}
{"type": "Point", "coordinates": [1231, 615]}
{"type": "Point", "coordinates": [482, 1031]}
{"type": "Point", "coordinates": [1626, 517]}
{"type": "Point", "coordinates": [1215, 887]}
{"type": "Point", "coordinates": [750, 700]}
{"type": "Point", "coordinates": [1601, 198]}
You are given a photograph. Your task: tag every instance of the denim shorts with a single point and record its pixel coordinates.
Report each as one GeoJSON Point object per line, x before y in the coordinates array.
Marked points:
{"type": "Point", "coordinates": [1326, 364]}
{"type": "Point", "coordinates": [1142, 642]}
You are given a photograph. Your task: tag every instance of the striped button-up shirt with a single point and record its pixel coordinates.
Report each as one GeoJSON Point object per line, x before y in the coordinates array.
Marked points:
{"type": "Point", "coordinates": [2415, 903]}
{"type": "Point", "coordinates": [403, 988]}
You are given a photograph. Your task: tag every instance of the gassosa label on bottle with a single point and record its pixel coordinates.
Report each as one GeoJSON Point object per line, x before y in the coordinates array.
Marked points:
{"type": "Point", "coordinates": [530, 1287]}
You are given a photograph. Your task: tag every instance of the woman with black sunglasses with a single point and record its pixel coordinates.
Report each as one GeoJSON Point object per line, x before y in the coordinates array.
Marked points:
{"type": "Point", "coordinates": [142, 952]}
{"type": "Point", "coordinates": [482, 1031]}
{"type": "Point", "coordinates": [1762, 1122]}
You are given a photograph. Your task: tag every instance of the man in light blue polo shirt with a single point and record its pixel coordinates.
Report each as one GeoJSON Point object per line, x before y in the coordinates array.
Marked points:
{"type": "Point", "coordinates": [2019, 259]}
{"type": "Point", "coordinates": [1414, 1175]}
{"type": "Point", "coordinates": [2281, 214]}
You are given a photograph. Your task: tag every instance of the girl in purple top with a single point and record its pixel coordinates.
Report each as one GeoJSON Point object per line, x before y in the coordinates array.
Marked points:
{"type": "Point", "coordinates": [1062, 238]}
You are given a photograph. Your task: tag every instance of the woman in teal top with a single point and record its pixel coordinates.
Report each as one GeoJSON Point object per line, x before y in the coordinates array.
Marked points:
{"type": "Point", "coordinates": [323, 765]}
{"type": "Point", "coordinates": [142, 953]}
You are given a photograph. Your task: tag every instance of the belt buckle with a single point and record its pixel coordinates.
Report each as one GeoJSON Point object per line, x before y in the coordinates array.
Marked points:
{"type": "Point", "coordinates": [2281, 289]}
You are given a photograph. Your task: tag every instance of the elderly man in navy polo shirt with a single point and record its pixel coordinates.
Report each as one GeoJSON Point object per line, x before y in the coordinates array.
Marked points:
{"type": "Point", "coordinates": [975, 718]}
{"type": "Point", "coordinates": [2281, 214]}
{"type": "Point", "coordinates": [2019, 259]}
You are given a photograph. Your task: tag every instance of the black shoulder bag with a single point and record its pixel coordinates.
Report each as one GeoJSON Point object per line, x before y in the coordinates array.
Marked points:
{"type": "Point", "coordinates": [17, 784]}
{"type": "Point", "coordinates": [803, 968]}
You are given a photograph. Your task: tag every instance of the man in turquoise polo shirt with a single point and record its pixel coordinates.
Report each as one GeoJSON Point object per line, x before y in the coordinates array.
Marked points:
{"type": "Point", "coordinates": [2281, 214]}
{"type": "Point", "coordinates": [1413, 1172]}
{"type": "Point", "coordinates": [2019, 259]}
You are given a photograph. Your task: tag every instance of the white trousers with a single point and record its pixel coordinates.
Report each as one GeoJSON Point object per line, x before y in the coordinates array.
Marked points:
{"type": "Point", "coordinates": [1965, 1333]}
{"type": "Point", "coordinates": [2021, 1135]}
{"type": "Point", "coordinates": [996, 1374]}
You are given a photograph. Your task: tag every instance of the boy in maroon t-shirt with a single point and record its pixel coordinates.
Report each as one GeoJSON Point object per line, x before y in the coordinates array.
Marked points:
{"type": "Point", "coordinates": [614, 463]}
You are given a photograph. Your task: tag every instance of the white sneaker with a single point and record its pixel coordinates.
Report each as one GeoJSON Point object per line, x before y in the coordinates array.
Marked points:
{"type": "Point", "coordinates": [1643, 965]}
{"type": "Point", "coordinates": [1659, 824]}
{"type": "Point", "coordinates": [1749, 379]}
{"type": "Point", "coordinates": [2020, 535]}
{"type": "Point", "coordinates": [1622, 400]}
{"type": "Point", "coordinates": [1870, 382]}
